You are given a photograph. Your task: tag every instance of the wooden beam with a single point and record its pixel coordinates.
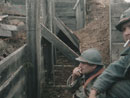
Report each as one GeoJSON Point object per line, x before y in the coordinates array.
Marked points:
{"type": "Point", "coordinates": [9, 27]}
{"type": "Point", "coordinates": [79, 17]}
{"type": "Point", "coordinates": [5, 88]}
{"type": "Point", "coordinates": [11, 63]}
{"type": "Point", "coordinates": [5, 33]}
{"type": "Point", "coordinates": [66, 31]}
{"type": "Point", "coordinates": [14, 9]}
{"type": "Point", "coordinates": [68, 52]}
{"type": "Point", "coordinates": [34, 48]}
{"type": "Point", "coordinates": [18, 90]}
{"type": "Point", "coordinates": [12, 58]}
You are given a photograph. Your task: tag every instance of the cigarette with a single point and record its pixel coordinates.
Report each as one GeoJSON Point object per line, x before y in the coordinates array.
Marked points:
{"type": "Point", "coordinates": [127, 42]}
{"type": "Point", "coordinates": [79, 71]}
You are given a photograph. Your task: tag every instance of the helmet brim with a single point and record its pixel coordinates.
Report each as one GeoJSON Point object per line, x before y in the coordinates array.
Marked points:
{"type": "Point", "coordinates": [121, 23]}
{"type": "Point", "coordinates": [80, 59]}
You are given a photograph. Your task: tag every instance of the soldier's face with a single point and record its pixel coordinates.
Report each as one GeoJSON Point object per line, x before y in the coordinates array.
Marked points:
{"type": "Point", "coordinates": [126, 31]}
{"type": "Point", "coordinates": [86, 68]}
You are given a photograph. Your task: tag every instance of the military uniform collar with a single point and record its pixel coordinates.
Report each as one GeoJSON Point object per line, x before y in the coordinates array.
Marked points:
{"type": "Point", "coordinates": [125, 52]}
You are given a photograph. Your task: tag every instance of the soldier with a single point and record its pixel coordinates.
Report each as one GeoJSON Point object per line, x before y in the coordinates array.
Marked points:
{"type": "Point", "coordinates": [115, 80]}
{"type": "Point", "coordinates": [83, 76]}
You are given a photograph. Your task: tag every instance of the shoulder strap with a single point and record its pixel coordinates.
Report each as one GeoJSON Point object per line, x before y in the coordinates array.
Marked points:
{"type": "Point", "coordinates": [92, 77]}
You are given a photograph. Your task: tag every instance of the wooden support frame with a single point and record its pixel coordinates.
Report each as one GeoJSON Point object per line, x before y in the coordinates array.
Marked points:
{"type": "Point", "coordinates": [34, 47]}
{"type": "Point", "coordinates": [67, 32]}
{"type": "Point", "coordinates": [11, 72]}
{"type": "Point", "coordinates": [68, 52]}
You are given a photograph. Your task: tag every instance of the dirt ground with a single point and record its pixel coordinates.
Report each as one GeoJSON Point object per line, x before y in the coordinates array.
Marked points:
{"type": "Point", "coordinates": [96, 32]}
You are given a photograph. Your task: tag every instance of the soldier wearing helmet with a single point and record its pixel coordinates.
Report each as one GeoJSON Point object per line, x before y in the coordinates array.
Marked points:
{"type": "Point", "coordinates": [115, 80]}
{"type": "Point", "coordinates": [83, 76]}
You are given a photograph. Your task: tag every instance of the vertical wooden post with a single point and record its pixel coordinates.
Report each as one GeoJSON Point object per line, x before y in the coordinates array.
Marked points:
{"type": "Point", "coordinates": [84, 13]}
{"type": "Point", "coordinates": [50, 46]}
{"type": "Point", "coordinates": [33, 35]}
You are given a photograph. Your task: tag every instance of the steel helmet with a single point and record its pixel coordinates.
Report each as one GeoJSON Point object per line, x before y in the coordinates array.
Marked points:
{"type": "Point", "coordinates": [91, 56]}
{"type": "Point", "coordinates": [124, 18]}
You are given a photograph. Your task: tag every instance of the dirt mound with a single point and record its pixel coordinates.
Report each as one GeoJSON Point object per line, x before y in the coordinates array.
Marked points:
{"type": "Point", "coordinates": [96, 32]}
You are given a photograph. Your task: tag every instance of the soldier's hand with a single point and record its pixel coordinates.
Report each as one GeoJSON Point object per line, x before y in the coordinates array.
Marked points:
{"type": "Point", "coordinates": [77, 71]}
{"type": "Point", "coordinates": [92, 94]}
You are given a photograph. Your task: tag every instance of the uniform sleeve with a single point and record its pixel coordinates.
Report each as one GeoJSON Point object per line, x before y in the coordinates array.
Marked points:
{"type": "Point", "coordinates": [113, 73]}
{"type": "Point", "coordinates": [72, 86]}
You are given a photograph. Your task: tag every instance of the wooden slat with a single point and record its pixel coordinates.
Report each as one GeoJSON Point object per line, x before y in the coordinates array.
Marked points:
{"type": "Point", "coordinates": [65, 13]}
{"type": "Point", "coordinates": [118, 8]}
{"type": "Point", "coordinates": [9, 64]}
{"type": "Point", "coordinates": [5, 33]}
{"type": "Point", "coordinates": [116, 37]}
{"type": "Point", "coordinates": [43, 12]}
{"type": "Point", "coordinates": [17, 2]}
{"type": "Point", "coordinates": [68, 52]}
{"type": "Point", "coordinates": [79, 17]}
{"type": "Point", "coordinates": [12, 58]}
{"type": "Point", "coordinates": [34, 48]}
{"type": "Point", "coordinates": [8, 84]}
{"type": "Point", "coordinates": [9, 27]}
{"type": "Point", "coordinates": [14, 9]}
{"type": "Point", "coordinates": [68, 33]}
{"type": "Point", "coordinates": [68, 1]}
{"type": "Point", "coordinates": [64, 4]}
{"type": "Point", "coordinates": [17, 17]}
{"type": "Point", "coordinates": [84, 12]}
{"type": "Point", "coordinates": [18, 91]}
{"type": "Point", "coordinates": [75, 38]}
{"type": "Point", "coordinates": [68, 21]}
{"type": "Point", "coordinates": [117, 48]}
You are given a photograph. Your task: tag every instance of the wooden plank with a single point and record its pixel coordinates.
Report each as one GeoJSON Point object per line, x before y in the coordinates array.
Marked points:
{"type": "Point", "coordinates": [68, 21]}
{"type": "Point", "coordinates": [17, 2]}
{"type": "Point", "coordinates": [72, 27]}
{"type": "Point", "coordinates": [34, 53]}
{"type": "Point", "coordinates": [64, 66]}
{"type": "Point", "coordinates": [117, 1]}
{"type": "Point", "coordinates": [18, 90]}
{"type": "Point", "coordinates": [76, 4]}
{"type": "Point", "coordinates": [2, 17]}
{"type": "Point", "coordinates": [43, 12]}
{"type": "Point", "coordinates": [84, 13]}
{"type": "Point", "coordinates": [69, 34]}
{"type": "Point", "coordinates": [79, 17]}
{"type": "Point", "coordinates": [9, 27]}
{"type": "Point", "coordinates": [14, 9]}
{"type": "Point", "coordinates": [118, 8]}
{"type": "Point", "coordinates": [48, 61]}
{"type": "Point", "coordinates": [114, 22]}
{"type": "Point", "coordinates": [5, 33]}
{"type": "Point", "coordinates": [11, 63]}
{"type": "Point", "coordinates": [23, 19]}
{"type": "Point", "coordinates": [116, 37]}
{"type": "Point", "coordinates": [75, 38]}
{"type": "Point", "coordinates": [68, 52]}
{"type": "Point", "coordinates": [8, 84]}
{"type": "Point", "coordinates": [66, 12]}
{"type": "Point", "coordinates": [68, 1]}
{"type": "Point", "coordinates": [117, 48]}
{"type": "Point", "coordinates": [49, 48]}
